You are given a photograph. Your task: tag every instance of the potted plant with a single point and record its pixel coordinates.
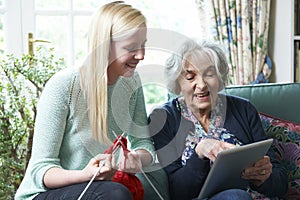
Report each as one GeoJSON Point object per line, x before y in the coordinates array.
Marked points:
{"type": "Point", "coordinates": [22, 81]}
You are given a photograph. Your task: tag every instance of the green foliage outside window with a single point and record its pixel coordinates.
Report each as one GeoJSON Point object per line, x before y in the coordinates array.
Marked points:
{"type": "Point", "coordinates": [154, 95]}
{"type": "Point", "coordinates": [1, 36]}
{"type": "Point", "coordinates": [22, 81]}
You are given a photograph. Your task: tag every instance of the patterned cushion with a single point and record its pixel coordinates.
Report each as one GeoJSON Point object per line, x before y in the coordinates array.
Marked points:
{"type": "Point", "coordinates": [286, 146]}
{"type": "Point", "coordinates": [294, 188]}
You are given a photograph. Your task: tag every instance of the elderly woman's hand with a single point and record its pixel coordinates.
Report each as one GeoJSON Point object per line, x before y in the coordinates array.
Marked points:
{"type": "Point", "coordinates": [259, 172]}
{"type": "Point", "coordinates": [209, 148]}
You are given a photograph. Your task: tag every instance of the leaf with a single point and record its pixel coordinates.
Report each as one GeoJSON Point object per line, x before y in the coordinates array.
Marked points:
{"type": "Point", "coordinates": [22, 81]}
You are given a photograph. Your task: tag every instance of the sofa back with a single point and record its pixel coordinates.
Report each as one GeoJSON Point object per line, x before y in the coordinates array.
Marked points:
{"type": "Point", "coordinates": [281, 100]}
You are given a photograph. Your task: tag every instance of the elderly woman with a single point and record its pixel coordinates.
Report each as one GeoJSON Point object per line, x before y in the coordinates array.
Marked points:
{"type": "Point", "coordinates": [190, 130]}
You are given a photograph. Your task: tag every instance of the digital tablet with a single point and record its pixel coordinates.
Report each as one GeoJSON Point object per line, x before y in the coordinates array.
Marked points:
{"type": "Point", "coordinates": [226, 171]}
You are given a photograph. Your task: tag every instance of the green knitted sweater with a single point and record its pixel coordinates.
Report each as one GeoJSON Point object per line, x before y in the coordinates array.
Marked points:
{"type": "Point", "coordinates": [62, 136]}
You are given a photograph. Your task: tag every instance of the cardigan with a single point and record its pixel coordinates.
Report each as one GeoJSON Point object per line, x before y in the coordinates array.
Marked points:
{"type": "Point", "coordinates": [62, 133]}
{"type": "Point", "coordinates": [169, 130]}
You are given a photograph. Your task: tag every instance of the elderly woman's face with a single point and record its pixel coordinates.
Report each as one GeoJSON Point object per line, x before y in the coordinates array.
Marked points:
{"type": "Point", "coordinates": [199, 83]}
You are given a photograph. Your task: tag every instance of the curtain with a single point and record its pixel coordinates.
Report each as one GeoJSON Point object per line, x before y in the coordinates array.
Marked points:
{"type": "Point", "coordinates": [242, 27]}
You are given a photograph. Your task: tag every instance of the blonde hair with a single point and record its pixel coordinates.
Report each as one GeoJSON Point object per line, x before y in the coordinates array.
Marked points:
{"type": "Point", "coordinates": [109, 23]}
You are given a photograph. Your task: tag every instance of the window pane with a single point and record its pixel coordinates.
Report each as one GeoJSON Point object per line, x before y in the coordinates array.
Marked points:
{"type": "Point", "coordinates": [51, 4]}
{"type": "Point", "coordinates": [86, 4]}
{"type": "Point", "coordinates": [155, 95]}
{"type": "Point", "coordinates": [1, 35]}
{"type": "Point", "coordinates": [151, 71]}
{"type": "Point", "coordinates": [176, 15]}
{"type": "Point", "coordinates": [54, 29]}
{"type": "Point", "coordinates": [1, 27]}
{"type": "Point", "coordinates": [80, 30]}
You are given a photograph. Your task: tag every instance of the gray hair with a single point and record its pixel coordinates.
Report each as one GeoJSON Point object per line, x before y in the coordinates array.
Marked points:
{"type": "Point", "coordinates": [190, 48]}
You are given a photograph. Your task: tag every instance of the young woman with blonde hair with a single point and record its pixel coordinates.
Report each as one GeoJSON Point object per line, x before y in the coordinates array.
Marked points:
{"type": "Point", "coordinates": [82, 110]}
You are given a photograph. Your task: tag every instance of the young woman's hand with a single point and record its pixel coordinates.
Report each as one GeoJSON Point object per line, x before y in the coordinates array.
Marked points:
{"type": "Point", "coordinates": [57, 177]}
{"type": "Point", "coordinates": [131, 164]}
{"type": "Point", "coordinates": [104, 161]}
{"type": "Point", "coordinates": [259, 172]}
{"type": "Point", "coordinates": [209, 148]}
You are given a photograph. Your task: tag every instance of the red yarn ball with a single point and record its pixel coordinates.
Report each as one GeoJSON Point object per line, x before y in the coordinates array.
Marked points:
{"type": "Point", "coordinates": [132, 183]}
{"type": "Point", "coordinates": [129, 180]}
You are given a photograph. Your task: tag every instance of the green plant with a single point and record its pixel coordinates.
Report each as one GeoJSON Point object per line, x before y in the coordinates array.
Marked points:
{"type": "Point", "coordinates": [154, 93]}
{"type": "Point", "coordinates": [22, 81]}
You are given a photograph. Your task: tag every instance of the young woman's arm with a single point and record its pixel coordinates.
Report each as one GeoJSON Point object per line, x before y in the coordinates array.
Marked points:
{"type": "Point", "coordinates": [58, 177]}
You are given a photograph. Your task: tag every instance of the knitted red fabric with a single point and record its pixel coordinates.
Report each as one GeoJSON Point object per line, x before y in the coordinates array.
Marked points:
{"type": "Point", "coordinates": [129, 180]}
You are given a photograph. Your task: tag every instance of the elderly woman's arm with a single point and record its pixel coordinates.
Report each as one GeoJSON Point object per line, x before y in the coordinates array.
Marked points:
{"type": "Point", "coordinates": [169, 134]}
{"type": "Point", "coordinates": [243, 120]}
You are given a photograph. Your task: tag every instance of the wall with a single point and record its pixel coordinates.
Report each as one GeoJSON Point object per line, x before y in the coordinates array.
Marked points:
{"type": "Point", "coordinates": [281, 40]}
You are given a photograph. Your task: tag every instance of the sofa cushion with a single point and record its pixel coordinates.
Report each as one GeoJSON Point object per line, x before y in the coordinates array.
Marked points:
{"type": "Point", "coordinates": [294, 188]}
{"type": "Point", "coordinates": [280, 100]}
{"type": "Point", "coordinates": [286, 137]}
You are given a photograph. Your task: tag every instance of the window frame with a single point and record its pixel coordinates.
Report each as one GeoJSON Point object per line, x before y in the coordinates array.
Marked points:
{"type": "Point", "coordinates": [19, 19]}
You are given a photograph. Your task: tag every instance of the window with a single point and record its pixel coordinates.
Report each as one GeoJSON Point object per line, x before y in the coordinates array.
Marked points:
{"type": "Point", "coordinates": [63, 23]}
{"type": "Point", "coordinates": [69, 17]}
{"type": "Point", "coordinates": [2, 11]}
{"type": "Point", "coordinates": [175, 15]}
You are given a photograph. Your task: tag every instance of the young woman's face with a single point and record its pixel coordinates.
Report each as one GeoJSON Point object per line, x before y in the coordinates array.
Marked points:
{"type": "Point", "coordinates": [199, 83]}
{"type": "Point", "coordinates": [125, 55]}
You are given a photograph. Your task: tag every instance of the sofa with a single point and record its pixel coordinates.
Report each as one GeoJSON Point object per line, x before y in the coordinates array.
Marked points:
{"type": "Point", "coordinates": [281, 100]}
{"type": "Point", "coordinates": [278, 105]}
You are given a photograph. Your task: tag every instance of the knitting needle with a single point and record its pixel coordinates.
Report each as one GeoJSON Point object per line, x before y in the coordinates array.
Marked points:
{"type": "Point", "coordinates": [142, 171]}
{"type": "Point", "coordinates": [101, 164]}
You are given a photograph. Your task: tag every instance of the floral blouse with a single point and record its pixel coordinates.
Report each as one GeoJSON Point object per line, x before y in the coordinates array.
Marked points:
{"type": "Point", "coordinates": [215, 130]}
